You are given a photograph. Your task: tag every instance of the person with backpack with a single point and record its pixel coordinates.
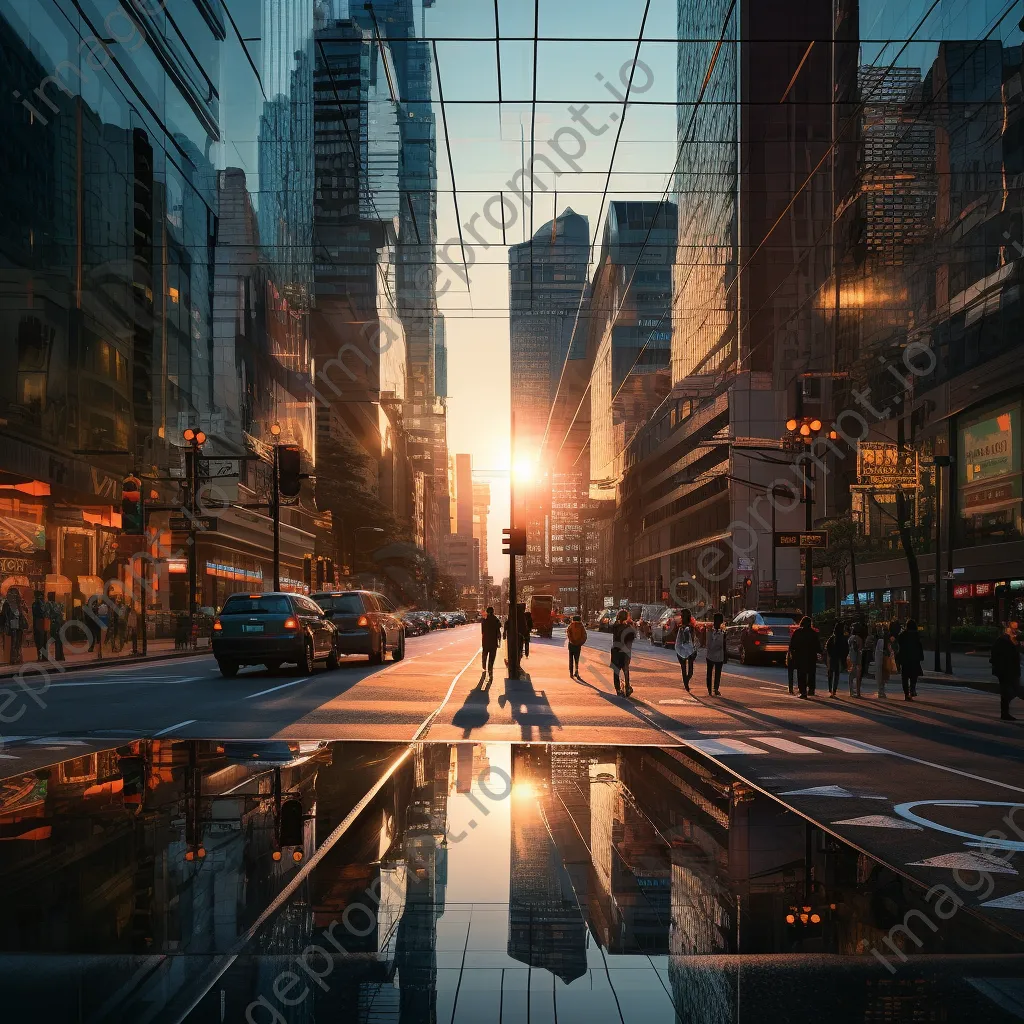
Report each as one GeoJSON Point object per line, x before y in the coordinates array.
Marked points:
{"type": "Point", "coordinates": [576, 637]}
{"type": "Point", "coordinates": [623, 635]}
{"type": "Point", "coordinates": [686, 646]}
{"type": "Point", "coordinates": [837, 647]}
{"type": "Point", "coordinates": [857, 658]}
{"type": "Point", "coordinates": [715, 654]}
{"type": "Point", "coordinates": [910, 655]}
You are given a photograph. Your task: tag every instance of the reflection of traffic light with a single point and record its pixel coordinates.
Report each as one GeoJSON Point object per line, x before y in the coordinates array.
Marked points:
{"type": "Point", "coordinates": [131, 505]}
{"type": "Point", "coordinates": [289, 467]}
{"type": "Point", "coordinates": [291, 827]}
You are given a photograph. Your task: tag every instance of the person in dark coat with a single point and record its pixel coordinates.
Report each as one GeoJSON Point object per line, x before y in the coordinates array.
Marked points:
{"type": "Point", "coordinates": [1005, 659]}
{"type": "Point", "coordinates": [804, 648]}
{"type": "Point", "coordinates": [490, 640]}
{"type": "Point", "coordinates": [909, 656]}
{"type": "Point", "coordinates": [39, 634]}
{"type": "Point", "coordinates": [837, 647]}
{"type": "Point", "coordinates": [526, 628]}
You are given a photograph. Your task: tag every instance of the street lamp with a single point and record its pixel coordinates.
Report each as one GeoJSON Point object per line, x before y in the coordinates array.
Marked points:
{"type": "Point", "coordinates": [194, 440]}
{"type": "Point", "coordinates": [803, 431]}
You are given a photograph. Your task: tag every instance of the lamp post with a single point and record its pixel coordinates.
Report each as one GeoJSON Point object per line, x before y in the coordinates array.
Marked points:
{"type": "Point", "coordinates": [194, 439]}
{"type": "Point", "coordinates": [275, 504]}
{"type": "Point", "coordinates": [802, 432]}
{"type": "Point", "coordinates": [939, 461]}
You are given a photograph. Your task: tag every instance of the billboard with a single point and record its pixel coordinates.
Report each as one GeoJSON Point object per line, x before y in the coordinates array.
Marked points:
{"type": "Point", "coordinates": [884, 466]}
{"type": "Point", "coordinates": [989, 466]}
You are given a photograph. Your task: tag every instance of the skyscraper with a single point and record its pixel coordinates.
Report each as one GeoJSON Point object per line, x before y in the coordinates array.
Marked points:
{"type": "Point", "coordinates": [481, 512]}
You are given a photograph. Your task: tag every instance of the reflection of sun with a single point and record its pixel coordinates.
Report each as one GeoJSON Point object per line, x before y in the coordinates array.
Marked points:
{"type": "Point", "coordinates": [523, 470]}
{"type": "Point", "coordinates": [524, 790]}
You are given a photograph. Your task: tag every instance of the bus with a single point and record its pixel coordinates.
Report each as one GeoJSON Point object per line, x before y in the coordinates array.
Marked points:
{"type": "Point", "coordinates": [541, 609]}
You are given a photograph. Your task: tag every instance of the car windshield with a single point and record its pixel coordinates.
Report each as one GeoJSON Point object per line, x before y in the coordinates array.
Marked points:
{"type": "Point", "coordinates": [351, 604]}
{"type": "Point", "coordinates": [249, 604]}
{"type": "Point", "coordinates": [779, 620]}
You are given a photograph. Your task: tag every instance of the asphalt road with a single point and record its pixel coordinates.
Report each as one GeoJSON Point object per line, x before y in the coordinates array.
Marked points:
{"type": "Point", "coordinates": [914, 784]}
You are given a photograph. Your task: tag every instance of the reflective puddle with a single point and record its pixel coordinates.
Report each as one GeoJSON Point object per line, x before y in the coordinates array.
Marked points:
{"type": "Point", "coordinates": [275, 882]}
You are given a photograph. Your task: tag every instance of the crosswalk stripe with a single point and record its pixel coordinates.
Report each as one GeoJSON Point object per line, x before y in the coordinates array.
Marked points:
{"type": "Point", "coordinates": [724, 746]}
{"type": "Point", "coordinates": [787, 746]}
{"type": "Point", "coordinates": [847, 746]}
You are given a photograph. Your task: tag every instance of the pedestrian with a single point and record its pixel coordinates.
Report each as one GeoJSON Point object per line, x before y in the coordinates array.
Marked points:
{"type": "Point", "coordinates": [837, 647]}
{"type": "Point", "coordinates": [490, 641]}
{"type": "Point", "coordinates": [132, 621]}
{"type": "Point", "coordinates": [910, 655]}
{"type": "Point", "coordinates": [55, 613]}
{"type": "Point", "coordinates": [856, 658]}
{"type": "Point", "coordinates": [805, 646]}
{"type": "Point", "coordinates": [623, 635]}
{"type": "Point", "coordinates": [715, 654]}
{"type": "Point", "coordinates": [686, 647]}
{"type": "Point", "coordinates": [39, 625]}
{"type": "Point", "coordinates": [1005, 659]}
{"type": "Point", "coordinates": [14, 617]}
{"type": "Point", "coordinates": [576, 637]}
{"type": "Point", "coordinates": [885, 663]}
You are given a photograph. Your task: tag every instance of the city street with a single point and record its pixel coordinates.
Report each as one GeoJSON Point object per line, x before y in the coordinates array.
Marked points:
{"type": "Point", "coordinates": [868, 770]}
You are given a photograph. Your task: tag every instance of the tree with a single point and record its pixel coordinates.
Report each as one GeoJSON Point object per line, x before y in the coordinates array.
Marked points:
{"type": "Point", "coordinates": [844, 542]}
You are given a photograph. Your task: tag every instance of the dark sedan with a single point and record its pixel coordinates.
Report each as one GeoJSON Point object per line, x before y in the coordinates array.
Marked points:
{"type": "Point", "coordinates": [271, 629]}
{"type": "Point", "coordinates": [367, 622]}
{"type": "Point", "coordinates": [755, 637]}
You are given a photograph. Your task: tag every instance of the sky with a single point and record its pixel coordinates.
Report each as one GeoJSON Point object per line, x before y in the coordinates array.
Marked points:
{"type": "Point", "coordinates": [487, 141]}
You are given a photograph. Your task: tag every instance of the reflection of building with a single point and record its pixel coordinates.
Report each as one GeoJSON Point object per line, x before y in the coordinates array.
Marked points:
{"type": "Point", "coordinates": [545, 924]}
{"type": "Point", "coordinates": [481, 511]}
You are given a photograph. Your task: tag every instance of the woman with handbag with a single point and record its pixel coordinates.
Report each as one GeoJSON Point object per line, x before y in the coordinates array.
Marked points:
{"type": "Point", "coordinates": [856, 658]}
{"type": "Point", "coordinates": [686, 647]}
{"type": "Point", "coordinates": [885, 662]}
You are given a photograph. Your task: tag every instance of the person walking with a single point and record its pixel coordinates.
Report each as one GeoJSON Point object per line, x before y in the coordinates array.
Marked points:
{"type": "Point", "coordinates": [856, 657]}
{"type": "Point", "coordinates": [837, 647]}
{"type": "Point", "coordinates": [884, 660]}
{"type": "Point", "coordinates": [132, 620]}
{"type": "Point", "coordinates": [55, 613]}
{"type": "Point", "coordinates": [623, 635]}
{"type": "Point", "coordinates": [715, 654]}
{"type": "Point", "coordinates": [490, 641]}
{"type": "Point", "coordinates": [686, 646]}
{"type": "Point", "coordinates": [1005, 660]}
{"type": "Point", "coordinates": [39, 625]}
{"type": "Point", "coordinates": [805, 646]}
{"type": "Point", "coordinates": [576, 637]}
{"type": "Point", "coordinates": [910, 655]}
{"type": "Point", "coordinates": [14, 617]}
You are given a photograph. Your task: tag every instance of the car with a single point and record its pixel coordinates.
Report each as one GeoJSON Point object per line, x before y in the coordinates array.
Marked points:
{"type": "Point", "coordinates": [604, 623]}
{"type": "Point", "coordinates": [664, 630]}
{"type": "Point", "coordinates": [754, 636]}
{"type": "Point", "coordinates": [367, 623]}
{"type": "Point", "coordinates": [271, 629]}
{"type": "Point", "coordinates": [414, 626]}
{"type": "Point", "coordinates": [649, 614]}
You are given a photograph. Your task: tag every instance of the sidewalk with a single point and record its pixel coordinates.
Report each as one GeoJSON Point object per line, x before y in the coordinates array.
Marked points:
{"type": "Point", "coordinates": [968, 670]}
{"type": "Point", "coordinates": [157, 650]}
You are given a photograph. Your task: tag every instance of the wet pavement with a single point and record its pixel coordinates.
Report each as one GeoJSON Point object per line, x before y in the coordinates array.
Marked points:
{"type": "Point", "coordinates": [202, 881]}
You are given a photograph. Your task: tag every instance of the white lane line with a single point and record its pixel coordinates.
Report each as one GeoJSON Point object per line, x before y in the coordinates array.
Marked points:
{"type": "Point", "coordinates": [283, 686]}
{"type": "Point", "coordinates": [172, 681]}
{"type": "Point", "coordinates": [171, 728]}
{"type": "Point", "coordinates": [724, 746]}
{"type": "Point", "coordinates": [429, 720]}
{"type": "Point", "coordinates": [846, 746]}
{"type": "Point", "coordinates": [787, 746]}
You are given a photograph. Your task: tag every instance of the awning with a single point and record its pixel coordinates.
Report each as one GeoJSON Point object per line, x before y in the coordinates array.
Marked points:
{"type": "Point", "coordinates": [57, 584]}
{"type": "Point", "coordinates": [21, 582]}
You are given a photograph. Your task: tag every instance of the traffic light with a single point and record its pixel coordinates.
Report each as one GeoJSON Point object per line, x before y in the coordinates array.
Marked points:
{"type": "Point", "coordinates": [747, 583]}
{"type": "Point", "coordinates": [513, 542]}
{"type": "Point", "coordinates": [289, 467]}
{"type": "Point", "coordinates": [132, 518]}
{"type": "Point", "coordinates": [291, 823]}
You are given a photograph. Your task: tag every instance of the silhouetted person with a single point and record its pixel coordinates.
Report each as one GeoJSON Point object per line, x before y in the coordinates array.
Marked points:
{"type": "Point", "coordinates": [1005, 659]}
{"type": "Point", "coordinates": [576, 637]}
{"type": "Point", "coordinates": [490, 640]}
{"type": "Point", "coordinates": [715, 654]}
{"type": "Point", "coordinates": [805, 646]}
{"type": "Point", "coordinates": [910, 655]}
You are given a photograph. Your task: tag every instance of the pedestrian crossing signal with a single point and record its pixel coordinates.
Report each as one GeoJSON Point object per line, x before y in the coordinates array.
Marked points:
{"type": "Point", "coordinates": [513, 542]}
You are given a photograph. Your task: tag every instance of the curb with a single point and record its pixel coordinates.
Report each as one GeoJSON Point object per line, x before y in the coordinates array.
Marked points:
{"type": "Point", "coordinates": [972, 684]}
{"type": "Point", "coordinates": [63, 667]}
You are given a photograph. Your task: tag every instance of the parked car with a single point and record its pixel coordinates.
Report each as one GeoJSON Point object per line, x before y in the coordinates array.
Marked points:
{"type": "Point", "coordinates": [664, 630]}
{"type": "Point", "coordinates": [755, 636]}
{"type": "Point", "coordinates": [413, 624]}
{"type": "Point", "coordinates": [604, 623]}
{"type": "Point", "coordinates": [649, 614]}
{"type": "Point", "coordinates": [271, 629]}
{"type": "Point", "coordinates": [367, 623]}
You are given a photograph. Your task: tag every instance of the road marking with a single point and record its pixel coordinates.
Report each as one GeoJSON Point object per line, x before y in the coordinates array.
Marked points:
{"type": "Point", "coordinates": [906, 811]}
{"type": "Point", "coordinates": [879, 821]}
{"type": "Point", "coordinates": [960, 861]}
{"type": "Point", "coordinates": [429, 720]}
{"type": "Point", "coordinates": [169, 681]}
{"type": "Point", "coordinates": [845, 745]}
{"type": "Point", "coordinates": [1015, 901]}
{"type": "Point", "coordinates": [835, 791]}
{"type": "Point", "coordinates": [171, 728]}
{"type": "Point", "coordinates": [787, 746]}
{"type": "Point", "coordinates": [724, 746]}
{"type": "Point", "coordinates": [283, 686]}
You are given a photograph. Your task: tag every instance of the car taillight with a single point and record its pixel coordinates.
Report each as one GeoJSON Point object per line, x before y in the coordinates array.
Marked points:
{"type": "Point", "coordinates": [291, 623]}
{"type": "Point", "coordinates": [363, 621]}
{"type": "Point", "coordinates": [762, 629]}
{"type": "Point", "coordinates": [217, 626]}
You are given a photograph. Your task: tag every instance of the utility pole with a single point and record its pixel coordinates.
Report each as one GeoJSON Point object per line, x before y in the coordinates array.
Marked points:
{"type": "Point", "coordinates": [275, 503]}
{"type": "Point", "coordinates": [808, 525]}
{"type": "Point", "coordinates": [939, 462]}
{"type": "Point", "coordinates": [512, 622]}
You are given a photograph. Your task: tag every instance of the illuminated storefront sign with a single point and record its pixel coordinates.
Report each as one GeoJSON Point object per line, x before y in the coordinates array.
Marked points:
{"type": "Point", "coordinates": [887, 467]}
{"type": "Point", "coordinates": [989, 470]}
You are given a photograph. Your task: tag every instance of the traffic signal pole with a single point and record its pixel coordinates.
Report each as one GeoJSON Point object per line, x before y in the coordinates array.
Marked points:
{"type": "Point", "coordinates": [512, 622]}
{"type": "Point", "coordinates": [275, 511]}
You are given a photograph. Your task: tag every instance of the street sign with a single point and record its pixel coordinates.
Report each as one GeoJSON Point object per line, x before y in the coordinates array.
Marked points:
{"type": "Point", "coordinates": [948, 575]}
{"type": "Point", "coordinates": [886, 467]}
{"type": "Point", "coordinates": [609, 602]}
{"type": "Point", "coordinates": [803, 539]}
{"type": "Point", "coordinates": [205, 524]}
{"type": "Point", "coordinates": [623, 602]}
